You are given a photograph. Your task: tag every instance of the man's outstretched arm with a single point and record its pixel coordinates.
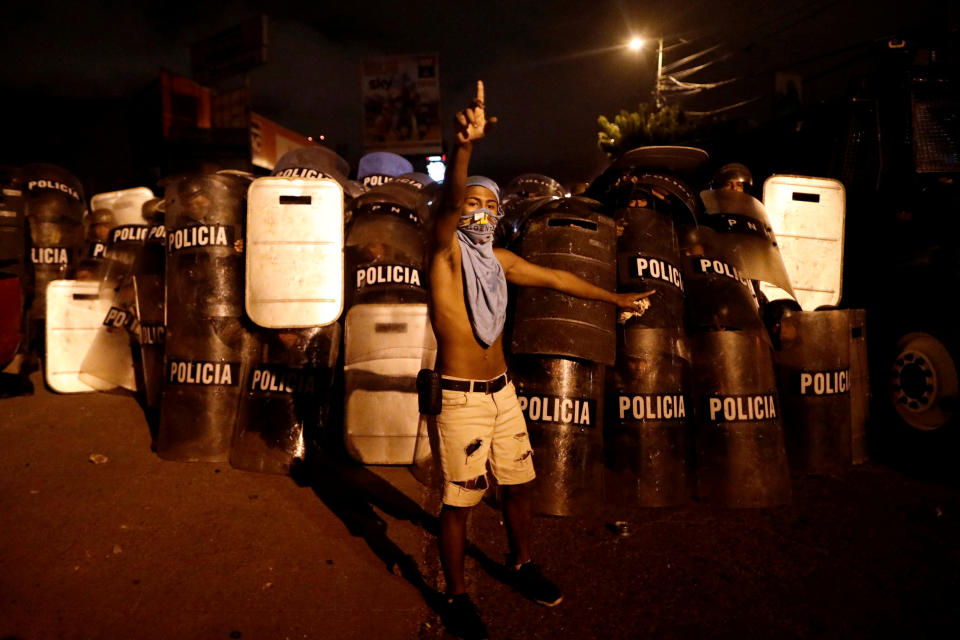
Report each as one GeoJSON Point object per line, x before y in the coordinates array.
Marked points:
{"type": "Point", "coordinates": [470, 125]}
{"type": "Point", "coordinates": [527, 274]}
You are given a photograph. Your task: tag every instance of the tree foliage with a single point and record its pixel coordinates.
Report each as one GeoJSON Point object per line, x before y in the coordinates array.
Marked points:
{"type": "Point", "coordinates": [644, 127]}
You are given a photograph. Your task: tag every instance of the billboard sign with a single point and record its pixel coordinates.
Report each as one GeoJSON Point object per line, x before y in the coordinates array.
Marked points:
{"type": "Point", "coordinates": [401, 104]}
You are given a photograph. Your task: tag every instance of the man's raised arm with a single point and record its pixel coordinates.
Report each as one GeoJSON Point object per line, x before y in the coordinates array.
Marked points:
{"type": "Point", "coordinates": [470, 125]}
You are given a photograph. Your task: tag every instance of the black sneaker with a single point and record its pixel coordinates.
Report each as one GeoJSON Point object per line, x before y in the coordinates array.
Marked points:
{"type": "Point", "coordinates": [530, 582]}
{"type": "Point", "coordinates": [462, 618]}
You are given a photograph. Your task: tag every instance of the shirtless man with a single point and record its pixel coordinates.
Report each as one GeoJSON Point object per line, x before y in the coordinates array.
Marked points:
{"type": "Point", "coordinates": [480, 420]}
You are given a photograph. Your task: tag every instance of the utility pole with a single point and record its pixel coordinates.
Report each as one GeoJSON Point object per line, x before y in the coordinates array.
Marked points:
{"type": "Point", "coordinates": [656, 92]}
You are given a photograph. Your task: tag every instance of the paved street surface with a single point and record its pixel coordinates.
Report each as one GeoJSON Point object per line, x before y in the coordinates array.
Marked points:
{"type": "Point", "coordinates": [133, 546]}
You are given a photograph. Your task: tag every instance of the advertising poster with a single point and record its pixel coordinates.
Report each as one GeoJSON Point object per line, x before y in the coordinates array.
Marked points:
{"type": "Point", "coordinates": [401, 104]}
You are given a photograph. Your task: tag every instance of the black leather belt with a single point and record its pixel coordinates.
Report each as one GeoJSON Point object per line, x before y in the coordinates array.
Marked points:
{"type": "Point", "coordinates": [475, 386]}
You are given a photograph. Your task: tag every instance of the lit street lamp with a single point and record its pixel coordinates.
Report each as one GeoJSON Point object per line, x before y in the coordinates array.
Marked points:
{"type": "Point", "coordinates": [636, 44]}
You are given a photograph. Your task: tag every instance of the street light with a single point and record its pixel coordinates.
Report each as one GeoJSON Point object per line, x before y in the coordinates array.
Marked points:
{"type": "Point", "coordinates": [636, 44]}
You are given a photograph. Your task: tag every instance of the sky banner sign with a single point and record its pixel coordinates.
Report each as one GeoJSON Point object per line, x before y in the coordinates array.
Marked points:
{"type": "Point", "coordinates": [401, 104]}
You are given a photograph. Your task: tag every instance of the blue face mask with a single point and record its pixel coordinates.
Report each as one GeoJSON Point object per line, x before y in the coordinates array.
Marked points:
{"type": "Point", "coordinates": [478, 225]}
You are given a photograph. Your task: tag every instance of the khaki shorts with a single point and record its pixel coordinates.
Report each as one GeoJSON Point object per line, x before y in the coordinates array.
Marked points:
{"type": "Point", "coordinates": [476, 428]}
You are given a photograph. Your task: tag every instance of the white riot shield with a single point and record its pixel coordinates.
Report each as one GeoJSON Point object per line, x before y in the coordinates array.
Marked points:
{"type": "Point", "coordinates": [294, 275]}
{"type": "Point", "coordinates": [807, 216]}
{"type": "Point", "coordinates": [110, 358]}
{"type": "Point", "coordinates": [386, 345]}
{"type": "Point", "coordinates": [75, 313]}
{"type": "Point", "coordinates": [126, 205]}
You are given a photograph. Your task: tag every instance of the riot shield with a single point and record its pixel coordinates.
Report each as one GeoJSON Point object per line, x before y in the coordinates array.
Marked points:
{"type": "Point", "coordinates": [385, 252]}
{"type": "Point", "coordinates": [126, 205]}
{"type": "Point", "coordinates": [647, 436]}
{"type": "Point", "coordinates": [568, 234]}
{"type": "Point", "coordinates": [517, 212]}
{"type": "Point", "coordinates": [386, 345]}
{"type": "Point", "coordinates": [513, 217]}
{"type": "Point", "coordinates": [316, 162]}
{"type": "Point", "coordinates": [814, 372]}
{"type": "Point", "coordinates": [859, 385]}
{"type": "Point", "coordinates": [377, 168]}
{"type": "Point", "coordinates": [98, 224]}
{"type": "Point", "coordinates": [286, 399]}
{"type": "Point", "coordinates": [54, 205]}
{"type": "Point", "coordinates": [563, 403]}
{"type": "Point", "coordinates": [127, 235]}
{"type": "Point", "coordinates": [740, 452]}
{"type": "Point", "coordinates": [294, 252]}
{"type": "Point", "coordinates": [647, 442]}
{"type": "Point", "coordinates": [75, 315]}
{"type": "Point", "coordinates": [110, 358]}
{"type": "Point", "coordinates": [670, 161]}
{"type": "Point", "coordinates": [209, 346]}
{"type": "Point", "coordinates": [148, 278]}
{"type": "Point", "coordinates": [744, 236]}
{"type": "Point", "coordinates": [719, 296]}
{"type": "Point", "coordinates": [648, 257]}
{"type": "Point", "coordinates": [807, 214]}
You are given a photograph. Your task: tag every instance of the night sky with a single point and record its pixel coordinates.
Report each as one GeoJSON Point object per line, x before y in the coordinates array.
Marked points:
{"type": "Point", "coordinates": [550, 67]}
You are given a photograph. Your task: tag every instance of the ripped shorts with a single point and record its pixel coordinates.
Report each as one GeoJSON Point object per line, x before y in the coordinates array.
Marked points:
{"type": "Point", "coordinates": [475, 428]}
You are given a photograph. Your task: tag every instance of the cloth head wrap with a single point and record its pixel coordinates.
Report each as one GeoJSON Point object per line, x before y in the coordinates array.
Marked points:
{"type": "Point", "coordinates": [485, 284]}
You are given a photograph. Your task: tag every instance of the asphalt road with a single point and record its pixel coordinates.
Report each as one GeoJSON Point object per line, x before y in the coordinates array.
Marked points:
{"type": "Point", "coordinates": [132, 546]}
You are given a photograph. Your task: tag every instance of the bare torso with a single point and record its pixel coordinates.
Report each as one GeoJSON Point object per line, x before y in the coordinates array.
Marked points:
{"type": "Point", "coordinates": [459, 353]}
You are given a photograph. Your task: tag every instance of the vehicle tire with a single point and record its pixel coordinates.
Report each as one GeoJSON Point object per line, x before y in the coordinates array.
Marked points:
{"type": "Point", "coordinates": [916, 395]}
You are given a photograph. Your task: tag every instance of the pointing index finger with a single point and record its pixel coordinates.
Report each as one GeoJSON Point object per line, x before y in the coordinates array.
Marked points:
{"type": "Point", "coordinates": [479, 98]}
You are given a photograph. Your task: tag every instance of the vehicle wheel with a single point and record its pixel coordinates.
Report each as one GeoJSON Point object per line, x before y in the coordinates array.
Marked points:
{"type": "Point", "coordinates": [916, 390]}
{"type": "Point", "coordinates": [924, 386]}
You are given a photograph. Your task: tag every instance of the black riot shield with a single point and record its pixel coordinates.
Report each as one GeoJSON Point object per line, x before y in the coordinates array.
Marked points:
{"type": "Point", "coordinates": [385, 250]}
{"type": "Point", "coordinates": [148, 279]}
{"type": "Point", "coordinates": [517, 212]}
{"type": "Point", "coordinates": [859, 385]}
{"type": "Point", "coordinates": [98, 224]}
{"type": "Point", "coordinates": [719, 296]}
{"type": "Point", "coordinates": [673, 161]}
{"type": "Point", "coordinates": [569, 234]}
{"type": "Point", "coordinates": [54, 205]}
{"type": "Point", "coordinates": [740, 452]}
{"type": "Point", "coordinates": [513, 214]}
{"type": "Point", "coordinates": [647, 440]}
{"type": "Point", "coordinates": [744, 236]}
{"type": "Point", "coordinates": [648, 257]}
{"type": "Point", "coordinates": [563, 403]}
{"type": "Point", "coordinates": [284, 405]}
{"type": "Point", "coordinates": [209, 346]}
{"type": "Point", "coordinates": [814, 372]}
{"type": "Point", "coordinates": [647, 443]}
